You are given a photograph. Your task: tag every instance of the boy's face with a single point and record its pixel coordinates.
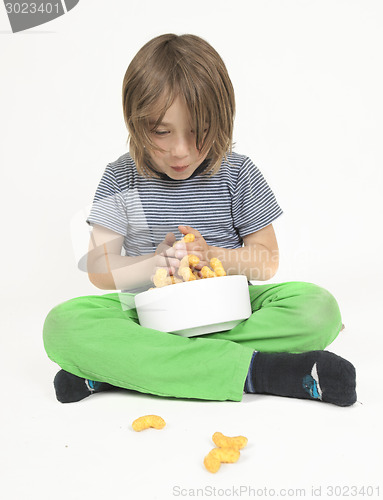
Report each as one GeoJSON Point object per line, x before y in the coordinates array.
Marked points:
{"type": "Point", "coordinates": [176, 137]}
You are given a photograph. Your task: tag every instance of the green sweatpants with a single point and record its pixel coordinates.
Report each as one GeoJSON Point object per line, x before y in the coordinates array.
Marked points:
{"type": "Point", "coordinates": [97, 338]}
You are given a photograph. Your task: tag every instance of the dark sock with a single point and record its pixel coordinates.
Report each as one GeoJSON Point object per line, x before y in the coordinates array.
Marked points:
{"type": "Point", "coordinates": [70, 388]}
{"type": "Point", "coordinates": [319, 375]}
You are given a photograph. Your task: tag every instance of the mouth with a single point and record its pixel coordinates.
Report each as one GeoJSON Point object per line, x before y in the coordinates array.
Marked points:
{"type": "Point", "coordinates": [179, 169]}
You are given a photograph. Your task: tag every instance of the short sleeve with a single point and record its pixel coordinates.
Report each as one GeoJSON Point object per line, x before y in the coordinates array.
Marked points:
{"type": "Point", "coordinates": [108, 208]}
{"type": "Point", "coordinates": [253, 205]}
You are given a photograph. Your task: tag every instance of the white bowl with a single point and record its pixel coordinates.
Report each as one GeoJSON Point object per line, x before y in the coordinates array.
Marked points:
{"type": "Point", "coordinates": [195, 307]}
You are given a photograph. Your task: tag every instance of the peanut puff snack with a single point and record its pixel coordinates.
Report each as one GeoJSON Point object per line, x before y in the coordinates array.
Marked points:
{"type": "Point", "coordinates": [186, 270]}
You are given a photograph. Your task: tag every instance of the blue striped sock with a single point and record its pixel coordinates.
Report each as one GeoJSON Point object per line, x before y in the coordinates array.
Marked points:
{"type": "Point", "coordinates": [249, 387]}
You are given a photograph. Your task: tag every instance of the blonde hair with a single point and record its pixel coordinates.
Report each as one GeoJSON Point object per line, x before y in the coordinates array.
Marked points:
{"type": "Point", "coordinates": [179, 65]}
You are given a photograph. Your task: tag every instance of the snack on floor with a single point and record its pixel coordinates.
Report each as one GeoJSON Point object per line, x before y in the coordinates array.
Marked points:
{"type": "Point", "coordinates": [147, 421]}
{"type": "Point", "coordinates": [211, 463]}
{"type": "Point", "coordinates": [216, 456]}
{"type": "Point", "coordinates": [227, 451]}
{"type": "Point", "coordinates": [222, 441]}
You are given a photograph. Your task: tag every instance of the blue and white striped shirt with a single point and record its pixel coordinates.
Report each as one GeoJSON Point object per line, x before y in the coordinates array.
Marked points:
{"type": "Point", "coordinates": [224, 208]}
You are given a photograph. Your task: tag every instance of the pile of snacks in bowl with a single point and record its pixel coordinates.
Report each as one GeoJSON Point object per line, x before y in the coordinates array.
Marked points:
{"type": "Point", "coordinates": [187, 271]}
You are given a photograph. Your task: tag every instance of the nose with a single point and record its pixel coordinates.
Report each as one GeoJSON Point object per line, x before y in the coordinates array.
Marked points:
{"type": "Point", "coordinates": [180, 146]}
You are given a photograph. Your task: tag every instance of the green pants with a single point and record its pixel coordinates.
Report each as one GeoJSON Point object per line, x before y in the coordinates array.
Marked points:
{"type": "Point", "coordinates": [97, 338]}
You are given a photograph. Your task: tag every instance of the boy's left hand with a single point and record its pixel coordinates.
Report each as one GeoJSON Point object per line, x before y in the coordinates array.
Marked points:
{"type": "Point", "coordinates": [198, 247]}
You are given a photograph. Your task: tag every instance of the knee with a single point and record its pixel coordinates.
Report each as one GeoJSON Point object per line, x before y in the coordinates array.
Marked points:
{"type": "Point", "coordinates": [321, 314]}
{"type": "Point", "coordinates": [56, 325]}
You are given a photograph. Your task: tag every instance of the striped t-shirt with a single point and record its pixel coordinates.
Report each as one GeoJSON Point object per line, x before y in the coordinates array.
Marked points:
{"type": "Point", "coordinates": [224, 208]}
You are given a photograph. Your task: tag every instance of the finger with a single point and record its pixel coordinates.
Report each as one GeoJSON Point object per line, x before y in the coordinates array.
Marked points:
{"type": "Point", "coordinates": [181, 245]}
{"type": "Point", "coordinates": [200, 265]}
{"type": "Point", "coordinates": [192, 246]}
{"type": "Point", "coordinates": [183, 229]}
{"type": "Point", "coordinates": [188, 229]}
{"type": "Point", "coordinates": [170, 270]}
{"type": "Point", "coordinates": [162, 248]}
{"type": "Point", "coordinates": [170, 262]}
{"type": "Point", "coordinates": [170, 239]}
{"type": "Point", "coordinates": [169, 252]}
{"type": "Point", "coordinates": [180, 254]}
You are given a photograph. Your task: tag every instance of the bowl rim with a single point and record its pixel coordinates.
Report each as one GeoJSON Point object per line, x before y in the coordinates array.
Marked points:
{"type": "Point", "coordinates": [191, 283]}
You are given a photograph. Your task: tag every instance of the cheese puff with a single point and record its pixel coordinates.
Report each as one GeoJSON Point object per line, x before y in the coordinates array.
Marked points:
{"type": "Point", "coordinates": [160, 277]}
{"type": "Point", "coordinates": [216, 456]}
{"type": "Point", "coordinates": [225, 454]}
{"type": "Point", "coordinates": [211, 463]}
{"type": "Point", "coordinates": [184, 262]}
{"type": "Point", "coordinates": [188, 238]}
{"type": "Point", "coordinates": [160, 280]}
{"type": "Point", "coordinates": [207, 272]}
{"type": "Point", "coordinates": [189, 261]}
{"type": "Point", "coordinates": [217, 267]}
{"type": "Point", "coordinates": [193, 260]}
{"type": "Point", "coordinates": [173, 280]}
{"type": "Point", "coordinates": [187, 274]}
{"type": "Point", "coordinates": [147, 421]}
{"type": "Point", "coordinates": [222, 441]}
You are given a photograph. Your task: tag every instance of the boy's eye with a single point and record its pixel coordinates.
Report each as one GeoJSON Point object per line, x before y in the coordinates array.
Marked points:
{"type": "Point", "coordinates": [164, 132]}
{"type": "Point", "coordinates": [160, 132]}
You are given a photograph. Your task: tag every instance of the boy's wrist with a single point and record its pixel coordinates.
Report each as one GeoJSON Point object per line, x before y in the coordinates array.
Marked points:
{"type": "Point", "coordinates": [132, 272]}
{"type": "Point", "coordinates": [216, 252]}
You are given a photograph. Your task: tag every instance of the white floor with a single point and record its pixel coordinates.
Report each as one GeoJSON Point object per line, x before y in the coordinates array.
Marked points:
{"type": "Point", "coordinates": [88, 450]}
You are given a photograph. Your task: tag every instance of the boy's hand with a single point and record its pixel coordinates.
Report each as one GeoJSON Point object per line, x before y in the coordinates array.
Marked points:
{"type": "Point", "coordinates": [165, 255]}
{"type": "Point", "coordinates": [198, 247]}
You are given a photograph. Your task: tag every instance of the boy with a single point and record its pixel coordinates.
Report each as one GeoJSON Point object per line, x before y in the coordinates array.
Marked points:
{"type": "Point", "coordinates": [181, 175]}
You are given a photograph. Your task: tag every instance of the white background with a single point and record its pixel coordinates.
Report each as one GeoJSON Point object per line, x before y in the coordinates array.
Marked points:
{"type": "Point", "coordinates": [308, 79]}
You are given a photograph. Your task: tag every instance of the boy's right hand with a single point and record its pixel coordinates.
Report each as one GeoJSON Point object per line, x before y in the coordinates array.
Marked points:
{"type": "Point", "coordinates": [165, 255]}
